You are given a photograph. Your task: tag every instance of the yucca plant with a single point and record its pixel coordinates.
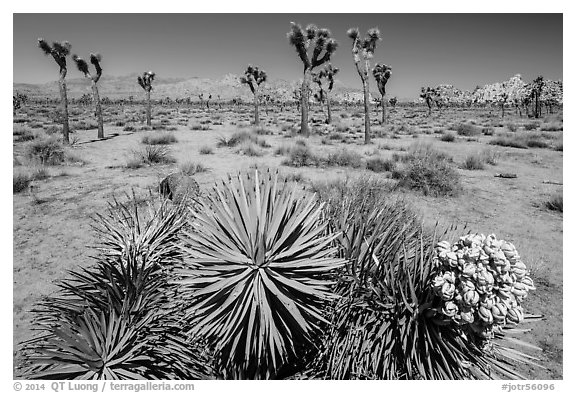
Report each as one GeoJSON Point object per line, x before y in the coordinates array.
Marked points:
{"type": "Point", "coordinates": [259, 272]}
{"type": "Point", "coordinates": [382, 323]}
{"type": "Point", "coordinates": [59, 51]}
{"type": "Point", "coordinates": [120, 319]}
{"type": "Point", "coordinates": [95, 59]}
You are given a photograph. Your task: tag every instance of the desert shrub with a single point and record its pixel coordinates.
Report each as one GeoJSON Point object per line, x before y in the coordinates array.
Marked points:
{"type": "Point", "coordinates": [448, 137]}
{"type": "Point", "coordinates": [165, 138]}
{"type": "Point", "coordinates": [509, 142]}
{"type": "Point", "coordinates": [129, 128]}
{"type": "Point", "coordinates": [428, 171]}
{"type": "Point", "coordinates": [531, 126]}
{"type": "Point", "coordinates": [490, 156]}
{"type": "Point", "coordinates": [488, 131]}
{"type": "Point", "coordinates": [249, 149]}
{"type": "Point", "coordinates": [512, 126]}
{"type": "Point", "coordinates": [282, 150]}
{"type": "Point", "coordinates": [555, 203]}
{"type": "Point", "coordinates": [473, 162]}
{"type": "Point", "coordinates": [262, 131]}
{"type": "Point", "coordinates": [378, 164]}
{"type": "Point", "coordinates": [24, 134]}
{"type": "Point", "coordinates": [20, 182]}
{"type": "Point", "coordinates": [466, 129]}
{"type": "Point", "coordinates": [301, 156]}
{"type": "Point", "coordinates": [556, 126]}
{"type": "Point", "coordinates": [46, 151]}
{"type": "Point", "coordinates": [153, 154]}
{"type": "Point", "coordinates": [559, 147]}
{"type": "Point", "coordinates": [206, 150]}
{"type": "Point", "coordinates": [535, 141]}
{"type": "Point", "coordinates": [191, 168]}
{"type": "Point", "coordinates": [235, 139]}
{"type": "Point", "coordinates": [344, 157]}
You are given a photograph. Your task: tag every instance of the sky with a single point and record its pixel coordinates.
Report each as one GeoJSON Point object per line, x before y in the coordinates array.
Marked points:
{"type": "Point", "coordinates": [423, 49]}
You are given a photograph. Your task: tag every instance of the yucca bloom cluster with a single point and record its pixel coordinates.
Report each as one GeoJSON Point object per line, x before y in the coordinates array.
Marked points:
{"type": "Point", "coordinates": [481, 282]}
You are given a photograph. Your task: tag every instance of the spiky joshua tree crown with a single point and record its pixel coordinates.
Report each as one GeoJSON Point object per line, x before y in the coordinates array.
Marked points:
{"type": "Point", "coordinates": [318, 38]}
{"type": "Point", "coordinates": [58, 50]}
{"type": "Point", "coordinates": [253, 77]}
{"type": "Point", "coordinates": [366, 46]}
{"type": "Point", "coordinates": [146, 80]}
{"type": "Point", "coordinates": [382, 73]}
{"type": "Point", "coordinates": [82, 65]}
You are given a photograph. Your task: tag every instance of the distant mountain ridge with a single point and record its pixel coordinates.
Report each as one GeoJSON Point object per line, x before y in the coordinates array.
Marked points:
{"type": "Point", "coordinates": [227, 87]}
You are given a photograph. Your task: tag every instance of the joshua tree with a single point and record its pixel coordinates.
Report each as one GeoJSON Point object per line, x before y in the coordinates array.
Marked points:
{"type": "Point", "coordinates": [146, 82]}
{"type": "Point", "coordinates": [536, 93]}
{"type": "Point", "coordinates": [95, 59]}
{"type": "Point", "coordinates": [363, 51]}
{"type": "Point", "coordinates": [324, 46]}
{"type": "Point", "coordinates": [393, 101]}
{"type": "Point", "coordinates": [382, 73]}
{"type": "Point", "coordinates": [326, 74]}
{"type": "Point", "coordinates": [59, 51]}
{"type": "Point", "coordinates": [254, 77]}
{"type": "Point", "coordinates": [427, 95]}
{"type": "Point", "coordinates": [208, 102]}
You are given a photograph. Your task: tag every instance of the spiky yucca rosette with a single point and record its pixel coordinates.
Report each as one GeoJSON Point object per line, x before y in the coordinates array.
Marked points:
{"type": "Point", "coordinates": [481, 282]}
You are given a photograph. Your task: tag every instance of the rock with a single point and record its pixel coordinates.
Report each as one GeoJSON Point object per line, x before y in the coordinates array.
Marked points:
{"type": "Point", "coordinates": [179, 186]}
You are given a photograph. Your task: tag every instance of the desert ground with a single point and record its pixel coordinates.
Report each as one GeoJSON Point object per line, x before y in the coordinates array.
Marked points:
{"type": "Point", "coordinates": [55, 201]}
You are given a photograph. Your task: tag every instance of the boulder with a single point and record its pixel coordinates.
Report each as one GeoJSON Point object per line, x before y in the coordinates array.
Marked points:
{"type": "Point", "coordinates": [179, 186]}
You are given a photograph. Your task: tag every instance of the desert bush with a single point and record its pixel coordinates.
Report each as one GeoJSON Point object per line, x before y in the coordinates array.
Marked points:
{"type": "Point", "coordinates": [20, 182]}
{"type": "Point", "coordinates": [262, 131]}
{"type": "Point", "coordinates": [378, 164]}
{"type": "Point", "coordinates": [473, 162]}
{"type": "Point", "coordinates": [466, 129]}
{"type": "Point", "coordinates": [344, 157]}
{"type": "Point", "coordinates": [490, 157]}
{"type": "Point", "coordinates": [429, 171]}
{"type": "Point", "coordinates": [301, 156]}
{"type": "Point", "coordinates": [191, 168]}
{"type": "Point", "coordinates": [556, 126]}
{"type": "Point", "coordinates": [555, 203]}
{"type": "Point", "coordinates": [235, 139]}
{"type": "Point", "coordinates": [488, 131]}
{"type": "Point", "coordinates": [249, 149]}
{"type": "Point", "coordinates": [532, 126]}
{"type": "Point", "coordinates": [206, 150]}
{"type": "Point", "coordinates": [153, 154]}
{"type": "Point", "coordinates": [165, 138]}
{"type": "Point", "coordinates": [507, 141]}
{"type": "Point", "coordinates": [513, 127]}
{"type": "Point", "coordinates": [46, 151]}
{"type": "Point", "coordinates": [129, 128]}
{"type": "Point", "coordinates": [448, 137]}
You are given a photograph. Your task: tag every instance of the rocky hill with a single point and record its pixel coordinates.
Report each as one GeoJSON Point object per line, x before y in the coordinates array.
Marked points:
{"type": "Point", "coordinates": [227, 87]}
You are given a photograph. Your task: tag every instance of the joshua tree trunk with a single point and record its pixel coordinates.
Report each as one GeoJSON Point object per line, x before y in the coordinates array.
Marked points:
{"type": "Point", "coordinates": [98, 110]}
{"type": "Point", "coordinates": [328, 109]}
{"type": "Point", "coordinates": [256, 114]}
{"type": "Point", "coordinates": [366, 111]}
{"type": "Point", "coordinates": [502, 109]}
{"type": "Point", "coordinates": [429, 107]}
{"type": "Point", "coordinates": [383, 104]}
{"type": "Point", "coordinates": [304, 103]}
{"type": "Point", "coordinates": [148, 109]}
{"type": "Point", "coordinates": [64, 99]}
